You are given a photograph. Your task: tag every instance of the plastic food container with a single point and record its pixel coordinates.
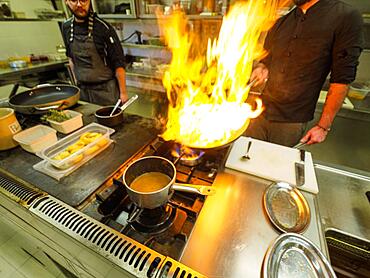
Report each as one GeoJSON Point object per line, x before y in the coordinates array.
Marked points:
{"type": "Point", "coordinates": [358, 90]}
{"type": "Point", "coordinates": [36, 138]}
{"type": "Point", "coordinates": [69, 125]}
{"type": "Point", "coordinates": [77, 147]}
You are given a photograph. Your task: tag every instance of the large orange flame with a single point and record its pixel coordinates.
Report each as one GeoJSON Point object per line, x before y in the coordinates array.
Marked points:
{"type": "Point", "coordinates": [207, 93]}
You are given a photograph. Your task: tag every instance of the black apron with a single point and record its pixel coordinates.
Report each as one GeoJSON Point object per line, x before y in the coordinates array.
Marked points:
{"type": "Point", "coordinates": [96, 80]}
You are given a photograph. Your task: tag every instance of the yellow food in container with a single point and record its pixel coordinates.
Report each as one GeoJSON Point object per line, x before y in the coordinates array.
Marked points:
{"type": "Point", "coordinates": [78, 147]}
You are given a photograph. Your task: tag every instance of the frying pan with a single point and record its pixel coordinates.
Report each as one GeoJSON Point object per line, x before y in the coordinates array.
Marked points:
{"type": "Point", "coordinates": [44, 97]}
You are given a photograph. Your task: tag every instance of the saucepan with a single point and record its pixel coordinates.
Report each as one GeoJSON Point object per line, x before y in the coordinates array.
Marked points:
{"type": "Point", "coordinates": [113, 115]}
{"type": "Point", "coordinates": [150, 182]}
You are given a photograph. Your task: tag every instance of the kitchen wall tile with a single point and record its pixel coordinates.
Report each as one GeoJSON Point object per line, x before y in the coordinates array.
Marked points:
{"type": "Point", "coordinates": [24, 38]}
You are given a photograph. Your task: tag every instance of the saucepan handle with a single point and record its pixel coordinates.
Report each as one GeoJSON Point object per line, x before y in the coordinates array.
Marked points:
{"type": "Point", "coordinates": [191, 188]}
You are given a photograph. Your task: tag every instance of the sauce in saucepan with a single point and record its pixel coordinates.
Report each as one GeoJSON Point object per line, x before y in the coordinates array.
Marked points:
{"type": "Point", "coordinates": [150, 182]}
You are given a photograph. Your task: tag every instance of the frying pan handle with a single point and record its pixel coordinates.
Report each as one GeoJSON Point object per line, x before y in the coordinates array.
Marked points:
{"type": "Point", "coordinates": [45, 108]}
{"type": "Point", "coordinates": [14, 90]}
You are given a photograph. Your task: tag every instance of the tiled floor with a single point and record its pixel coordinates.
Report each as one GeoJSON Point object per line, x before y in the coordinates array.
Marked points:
{"type": "Point", "coordinates": [15, 262]}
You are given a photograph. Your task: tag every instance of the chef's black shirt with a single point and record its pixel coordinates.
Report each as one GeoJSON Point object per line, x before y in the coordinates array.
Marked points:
{"type": "Point", "coordinates": [105, 39]}
{"type": "Point", "coordinates": [303, 49]}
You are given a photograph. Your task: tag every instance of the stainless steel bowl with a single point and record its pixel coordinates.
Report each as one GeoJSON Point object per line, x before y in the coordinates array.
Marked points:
{"type": "Point", "coordinates": [294, 256]}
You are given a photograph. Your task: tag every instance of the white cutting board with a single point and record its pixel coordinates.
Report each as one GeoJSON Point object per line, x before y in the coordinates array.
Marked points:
{"type": "Point", "coordinates": [271, 161]}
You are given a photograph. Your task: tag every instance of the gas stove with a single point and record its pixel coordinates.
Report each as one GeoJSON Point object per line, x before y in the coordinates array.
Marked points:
{"type": "Point", "coordinates": [165, 229]}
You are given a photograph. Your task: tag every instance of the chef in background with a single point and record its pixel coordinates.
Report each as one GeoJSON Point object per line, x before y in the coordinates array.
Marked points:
{"type": "Point", "coordinates": [95, 55]}
{"type": "Point", "coordinates": [313, 39]}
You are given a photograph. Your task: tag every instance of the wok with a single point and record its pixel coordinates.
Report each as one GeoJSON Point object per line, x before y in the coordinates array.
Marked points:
{"type": "Point", "coordinates": [220, 147]}
{"type": "Point", "coordinates": [44, 97]}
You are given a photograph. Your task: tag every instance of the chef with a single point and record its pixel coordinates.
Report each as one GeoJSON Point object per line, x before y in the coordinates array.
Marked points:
{"type": "Point", "coordinates": [313, 39]}
{"type": "Point", "coordinates": [95, 55]}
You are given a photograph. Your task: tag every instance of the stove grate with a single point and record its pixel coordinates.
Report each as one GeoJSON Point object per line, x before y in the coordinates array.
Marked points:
{"type": "Point", "coordinates": [125, 252]}
{"type": "Point", "coordinates": [17, 192]}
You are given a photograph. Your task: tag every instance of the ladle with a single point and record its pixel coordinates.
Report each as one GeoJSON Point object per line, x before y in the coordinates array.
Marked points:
{"type": "Point", "coordinates": [115, 107]}
{"type": "Point", "coordinates": [125, 105]}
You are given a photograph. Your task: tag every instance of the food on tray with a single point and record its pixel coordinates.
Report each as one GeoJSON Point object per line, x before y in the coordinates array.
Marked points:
{"type": "Point", "coordinates": [85, 139]}
{"type": "Point", "coordinates": [89, 137]}
{"type": "Point", "coordinates": [62, 155]}
{"type": "Point", "coordinates": [91, 150]}
{"type": "Point", "coordinates": [78, 158]}
{"type": "Point", "coordinates": [55, 115]}
{"type": "Point", "coordinates": [102, 142]}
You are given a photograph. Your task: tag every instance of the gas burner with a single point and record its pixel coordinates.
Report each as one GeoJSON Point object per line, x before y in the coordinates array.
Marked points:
{"type": "Point", "coordinates": [165, 229]}
{"type": "Point", "coordinates": [154, 221]}
{"type": "Point", "coordinates": [187, 156]}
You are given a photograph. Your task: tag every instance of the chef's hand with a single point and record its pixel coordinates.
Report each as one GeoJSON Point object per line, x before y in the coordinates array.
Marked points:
{"type": "Point", "coordinates": [315, 135]}
{"type": "Point", "coordinates": [123, 97]}
{"type": "Point", "coordinates": [260, 73]}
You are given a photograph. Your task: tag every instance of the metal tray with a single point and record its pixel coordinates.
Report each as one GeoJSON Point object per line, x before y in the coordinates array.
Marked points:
{"type": "Point", "coordinates": [286, 207]}
{"type": "Point", "coordinates": [293, 256]}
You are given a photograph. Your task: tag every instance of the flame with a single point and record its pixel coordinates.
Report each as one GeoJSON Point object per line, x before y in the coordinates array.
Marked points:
{"type": "Point", "coordinates": [186, 153]}
{"type": "Point", "coordinates": [207, 91]}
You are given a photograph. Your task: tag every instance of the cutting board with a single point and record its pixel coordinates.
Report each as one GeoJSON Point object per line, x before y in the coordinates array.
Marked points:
{"type": "Point", "coordinates": [346, 103]}
{"type": "Point", "coordinates": [271, 161]}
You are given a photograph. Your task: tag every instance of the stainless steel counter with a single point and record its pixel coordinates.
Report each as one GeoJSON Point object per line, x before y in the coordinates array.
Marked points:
{"type": "Point", "coordinates": [349, 211]}
{"type": "Point", "coordinates": [11, 76]}
{"type": "Point", "coordinates": [232, 233]}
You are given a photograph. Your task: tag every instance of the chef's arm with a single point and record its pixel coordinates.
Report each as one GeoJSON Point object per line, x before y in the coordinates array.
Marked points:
{"type": "Point", "coordinates": [334, 99]}
{"type": "Point", "coordinates": [121, 77]}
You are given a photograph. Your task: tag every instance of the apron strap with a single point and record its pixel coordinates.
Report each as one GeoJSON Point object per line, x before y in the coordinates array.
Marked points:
{"type": "Point", "coordinates": [90, 25]}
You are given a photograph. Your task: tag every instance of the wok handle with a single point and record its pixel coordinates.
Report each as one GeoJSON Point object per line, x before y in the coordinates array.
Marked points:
{"type": "Point", "coordinates": [45, 108]}
{"type": "Point", "coordinates": [192, 188]}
